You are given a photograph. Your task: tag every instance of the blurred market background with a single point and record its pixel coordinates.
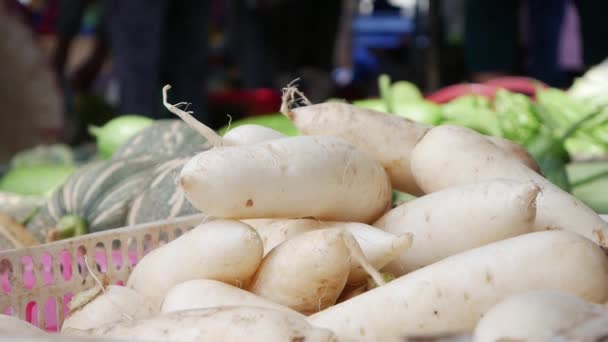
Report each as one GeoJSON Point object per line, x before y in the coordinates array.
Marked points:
{"type": "Point", "coordinates": [80, 77]}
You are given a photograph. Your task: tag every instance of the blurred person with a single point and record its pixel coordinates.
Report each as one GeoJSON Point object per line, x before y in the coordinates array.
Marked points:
{"type": "Point", "coordinates": [492, 38]}
{"type": "Point", "coordinates": [70, 15]}
{"type": "Point", "coordinates": [31, 105]}
{"type": "Point", "coordinates": [157, 42]}
{"type": "Point", "coordinates": [594, 30]}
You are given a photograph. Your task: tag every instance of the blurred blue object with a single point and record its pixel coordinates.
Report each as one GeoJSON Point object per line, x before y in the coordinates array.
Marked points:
{"type": "Point", "coordinates": [384, 30]}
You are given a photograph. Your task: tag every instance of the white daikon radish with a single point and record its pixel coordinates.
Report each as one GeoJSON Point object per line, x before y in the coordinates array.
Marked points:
{"type": "Point", "coordinates": [460, 218]}
{"type": "Point", "coordinates": [205, 293]}
{"type": "Point", "coordinates": [387, 138]}
{"type": "Point", "coordinates": [321, 177]}
{"type": "Point", "coordinates": [228, 323]}
{"type": "Point", "coordinates": [535, 316]}
{"type": "Point", "coordinates": [223, 250]}
{"type": "Point", "coordinates": [453, 294]}
{"type": "Point", "coordinates": [378, 246]}
{"type": "Point", "coordinates": [97, 307]}
{"type": "Point", "coordinates": [449, 156]}
{"type": "Point", "coordinates": [10, 325]}
{"type": "Point", "coordinates": [250, 134]}
{"type": "Point", "coordinates": [308, 272]}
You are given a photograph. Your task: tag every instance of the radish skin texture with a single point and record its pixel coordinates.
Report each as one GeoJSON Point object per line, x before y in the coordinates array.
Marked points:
{"type": "Point", "coordinates": [10, 325]}
{"type": "Point", "coordinates": [205, 293]}
{"type": "Point", "coordinates": [223, 250]}
{"type": "Point", "coordinates": [452, 295]}
{"type": "Point", "coordinates": [116, 303]}
{"type": "Point", "coordinates": [517, 151]}
{"type": "Point", "coordinates": [387, 138]}
{"type": "Point", "coordinates": [449, 156]}
{"type": "Point", "coordinates": [378, 246]}
{"type": "Point", "coordinates": [460, 218]}
{"type": "Point", "coordinates": [240, 323]}
{"type": "Point", "coordinates": [306, 273]}
{"type": "Point", "coordinates": [320, 177]}
{"type": "Point", "coordinates": [250, 134]}
{"type": "Point", "coordinates": [535, 316]}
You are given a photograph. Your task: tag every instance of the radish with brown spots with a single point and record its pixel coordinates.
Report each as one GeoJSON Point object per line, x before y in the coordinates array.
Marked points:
{"type": "Point", "coordinates": [452, 155]}
{"type": "Point", "coordinates": [517, 151]}
{"type": "Point", "coordinates": [460, 218]}
{"type": "Point", "coordinates": [451, 295]}
{"type": "Point", "coordinates": [321, 177]}
{"type": "Point", "coordinates": [378, 246]}
{"type": "Point", "coordinates": [223, 250]}
{"type": "Point", "coordinates": [228, 323]}
{"type": "Point", "coordinates": [308, 272]}
{"type": "Point", "coordinates": [387, 138]}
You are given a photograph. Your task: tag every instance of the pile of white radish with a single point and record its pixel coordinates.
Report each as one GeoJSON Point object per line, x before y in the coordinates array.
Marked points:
{"type": "Point", "coordinates": [302, 242]}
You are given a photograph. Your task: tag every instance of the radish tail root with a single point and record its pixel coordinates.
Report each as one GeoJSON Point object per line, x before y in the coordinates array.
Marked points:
{"type": "Point", "coordinates": [357, 254]}
{"type": "Point", "coordinates": [213, 138]}
{"type": "Point", "coordinates": [292, 97]}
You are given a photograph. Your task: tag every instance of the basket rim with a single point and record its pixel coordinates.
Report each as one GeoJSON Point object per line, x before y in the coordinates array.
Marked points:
{"type": "Point", "coordinates": [109, 232]}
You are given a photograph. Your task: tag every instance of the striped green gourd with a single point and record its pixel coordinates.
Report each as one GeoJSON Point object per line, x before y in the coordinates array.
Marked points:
{"type": "Point", "coordinates": [162, 199]}
{"type": "Point", "coordinates": [96, 197]}
{"type": "Point", "coordinates": [169, 138]}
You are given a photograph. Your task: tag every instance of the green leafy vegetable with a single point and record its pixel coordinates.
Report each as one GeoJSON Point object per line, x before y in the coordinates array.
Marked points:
{"type": "Point", "coordinates": [472, 111]}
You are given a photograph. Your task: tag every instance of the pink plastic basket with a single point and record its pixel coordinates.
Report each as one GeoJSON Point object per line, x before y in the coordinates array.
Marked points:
{"type": "Point", "coordinates": [37, 283]}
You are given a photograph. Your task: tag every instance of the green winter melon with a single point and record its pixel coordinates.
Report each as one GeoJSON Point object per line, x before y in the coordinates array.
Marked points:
{"type": "Point", "coordinates": [96, 197]}
{"type": "Point", "coordinates": [162, 199]}
{"type": "Point", "coordinates": [170, 138]}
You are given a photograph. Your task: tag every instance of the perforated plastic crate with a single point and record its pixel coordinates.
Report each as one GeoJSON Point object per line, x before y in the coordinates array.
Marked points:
{"type": "Point", "coordinates": [38, 282]}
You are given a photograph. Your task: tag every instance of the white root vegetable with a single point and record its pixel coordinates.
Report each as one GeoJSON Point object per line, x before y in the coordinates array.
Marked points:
{"type": "Point", "coordinates": [205, 293]}
{"type": "Point", "coordinates": [387, 138]}
{"type": "Point", "coordinates": [223, 250]}
{"type": "Point", "coordinates": [460, 218]}
{"type": "Point", "coordinates": [378, 246]}
{"type": "Point", "coordinates": [113, 304]}
{"type": "Point", "coordinates": [452, 295]}
{"type": "Point", "coordinates": [240, 323]}
{"type": "Point", "coordinates": [535, 316]}
{"type": "Point", "coordinates": [10, 325]}
{"type": "Point", "coordinates": [448, 156]}
{"type": "Point", "coordinates": [321, 177]}
{"type": "Point", "coordinates": [308, 272]}
{"type": "Point", "coordinates": [515, 150]}
{"type": "Point", "coordinates": [250, 134]}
